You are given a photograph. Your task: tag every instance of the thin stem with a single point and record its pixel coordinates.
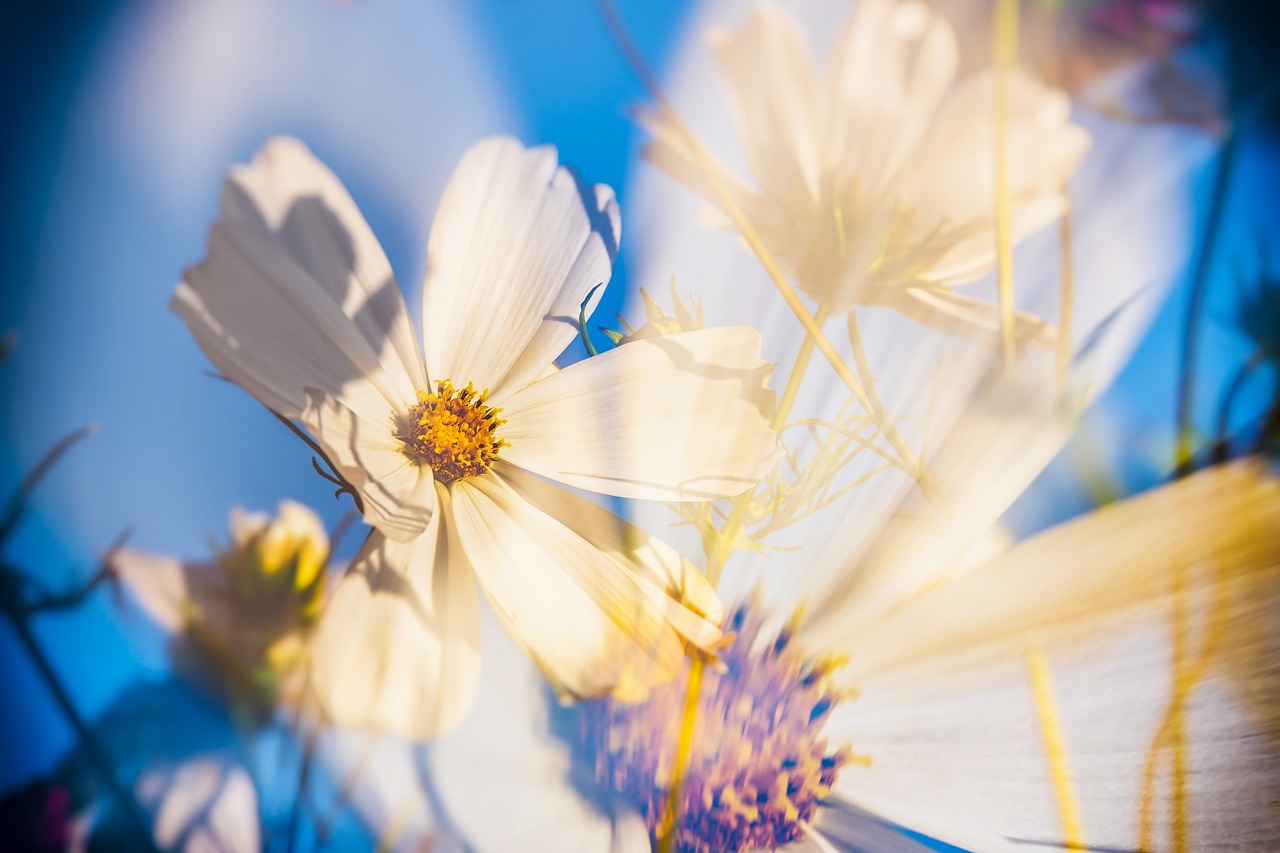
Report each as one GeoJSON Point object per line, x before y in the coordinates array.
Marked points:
{"type": "Point", "coordinates": [717, 558]}
{"type": "Point", "coordinates": [127, 803]}
{"type": "Point", "coordinates": [1006, 53]}
{"type": "Point", "coordinates": [1063, 357]}
{"type": "Point", "coordinates": [666, 832]}
{"type": "Point", "coordinates": [877, 409]}
{"type": "Point", "coordinates": [18, 503]}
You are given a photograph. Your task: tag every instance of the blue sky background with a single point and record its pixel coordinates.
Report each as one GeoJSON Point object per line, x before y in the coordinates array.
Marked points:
{"type": "Point", "coordinates": [120, 127]}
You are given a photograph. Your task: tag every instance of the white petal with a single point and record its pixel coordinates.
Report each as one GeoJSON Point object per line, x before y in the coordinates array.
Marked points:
{"type": "Point", "coordinates": [948, 713]}
{"type": "Point", "coordinates": [398, 494]}
{"type": "Point", "coordinates": [1011, 428]}
{"type": "Point", "coordinates": [775, 92]}
{"type": "Point", "coordinates": [582, 618]}
{"type": "Point", "coordinates": [398, 646]}
{"type": "Point", "coordinates": [159, 583]}
{"type": "Point", "coordinates": [950, 180]}
{"type": "Point", "coordinates": [516, 246]}
{"type": "Point", "coordinates": [292, 197]}
{"type": "Point", "coordinates": [205, 803]}
{"type": "Point", "coordinates": [846, 827]}
{"type": "Point", "coordinates": [969, 319]}
{"type": "Point", "coordinates": [890, 70]}
{"type": "Point", "coordinates": [670, 581]}
{"type": "Point", "coordinates": [388, 789]}
{"type": "Point", "coordinates": [676, 417]}
{"type": "Point", "coordinates": [511, 754]}
{"type": "Point", "coordinates": [261, 315]}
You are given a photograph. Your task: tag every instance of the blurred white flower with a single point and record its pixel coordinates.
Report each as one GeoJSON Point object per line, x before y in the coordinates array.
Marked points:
{"type": "Point", "coordinates": [875, 180]}
{"type": "Point", "coordinates": [297, 304]}
{"type": "Point", "coordinates": [246, 613]}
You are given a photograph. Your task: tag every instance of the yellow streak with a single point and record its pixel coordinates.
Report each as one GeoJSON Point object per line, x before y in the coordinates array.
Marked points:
{"type": "Point", "coordinates": [906, 458]}
{"type": "Point", "coordinates": [1055, 746]}
{"type": "Point", "coordinates": [1006, 52]}
{"type": "Point", "coordinates": [1172, 729]}
{"type": "Point", "coordinates": [1068, 297]}
{"type": "Point", "coordinates": [666, 835]}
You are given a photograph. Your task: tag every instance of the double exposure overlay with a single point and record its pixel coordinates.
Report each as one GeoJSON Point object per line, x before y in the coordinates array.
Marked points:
{"type": "Point", "coordinates": [728, 425]}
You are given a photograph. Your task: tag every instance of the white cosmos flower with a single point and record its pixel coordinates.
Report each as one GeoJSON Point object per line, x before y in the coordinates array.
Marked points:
{"type": "Point", "coordinates": [297, 304]}
{"type": "Point", "coordinates": [875, 179]}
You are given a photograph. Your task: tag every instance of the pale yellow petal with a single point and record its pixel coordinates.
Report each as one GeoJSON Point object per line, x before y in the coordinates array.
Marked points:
{"type": "Point", "coordinates": [398, 646]}
{"type": "Point", "coordinates": [586, 622]}
{"type": "Point", "coordinates": [676, 417]}
{"type": "Point", "coordinates": [1042, 697]}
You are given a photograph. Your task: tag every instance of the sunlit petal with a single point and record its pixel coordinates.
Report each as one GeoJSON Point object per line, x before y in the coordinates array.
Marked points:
{"type": "Point", "coordinates": [518, 243]}
{"type": "Point", "coordinates": [677, 417]}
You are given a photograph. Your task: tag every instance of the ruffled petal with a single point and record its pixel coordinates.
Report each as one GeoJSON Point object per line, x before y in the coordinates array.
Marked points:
{"type": "Point", "coordinates": [281, 305]}
{"type": "Point", "coordinates": [398, 647]}
{"type": "Point", "coordinates": [516, 246]}
{"type": "Point", "coordinates": [583, 618]}
{"type": "Point", "coordinates": [397, 494]}
{"type": "Point", "coordinates": [1143, 624]}
{"type": "Point", "coordinates": [674, 417]}
{"type": "Point", "coordinates": [292, 197]}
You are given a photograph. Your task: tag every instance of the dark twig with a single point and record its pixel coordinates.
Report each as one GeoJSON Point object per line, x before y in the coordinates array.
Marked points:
{"type": "Point", "coordinates": [67, 600]}
{"type": "Point", "coordinates": [332, 475]}
{"type": "Point", "coordinates": [18, 503]}
{"type": "Point", "coordinates": [130, 806]}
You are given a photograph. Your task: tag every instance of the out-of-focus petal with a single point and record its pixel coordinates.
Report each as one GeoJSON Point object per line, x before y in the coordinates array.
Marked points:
{"type": "Point", "coordinates": [775, 95]}
{"type": "Point", "coordinates": [675, 417]}
{"type": "Point", "coordinates": [398, 494]}
{"type": "Point", "coordinates": [206, 803]}
{"type": "Point", "coordinates": [911, 54]}
{"type": "Point", "coordinates": [517, 244]}
{"type": "Point", "coordinates": [1120, 613]}
{"type": "Point", "coordinates": [512, 749]}
{"type": "Point", "coordinates": [670, 581]}
{"type": "Point", "coordinates": [586, 622]}
{"type": "Point", "coordinates": [950, 180]}
{"type": "Point", "coordinates": [398, 646]}
{"type": "Point", "coordinates": [160, 584]}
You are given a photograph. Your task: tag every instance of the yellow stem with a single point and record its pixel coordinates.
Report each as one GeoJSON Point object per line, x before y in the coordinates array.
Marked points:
{"type": "Point", "coordinates": [907, 460]}
{"type": "Point", "coordinates": [1055, 746]}
{"type": "Point", "coordinates": [666, 831]}
{"type": "Point", "coordinates": [728, 535]}
{"type": "Point", "coordinates": [1068, 297]}
{"type": "Point", "coordinates": [1006, 52]}
{"type": "Point", "coordinates": [877, 410]}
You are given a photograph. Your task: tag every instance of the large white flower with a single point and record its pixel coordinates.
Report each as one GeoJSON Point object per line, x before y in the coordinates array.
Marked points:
{"type": "Point", "coordinates": [297, 304]}
{"type": "Point", "coordinates": [875, 180]}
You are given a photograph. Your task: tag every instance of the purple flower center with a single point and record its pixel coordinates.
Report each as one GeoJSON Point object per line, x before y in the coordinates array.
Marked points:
{"type": "Point", "coordinates": [759, 763]}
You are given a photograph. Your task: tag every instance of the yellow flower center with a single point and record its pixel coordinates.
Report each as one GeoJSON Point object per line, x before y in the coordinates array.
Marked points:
{"type": "Point", "coordinates": [453, 432]}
